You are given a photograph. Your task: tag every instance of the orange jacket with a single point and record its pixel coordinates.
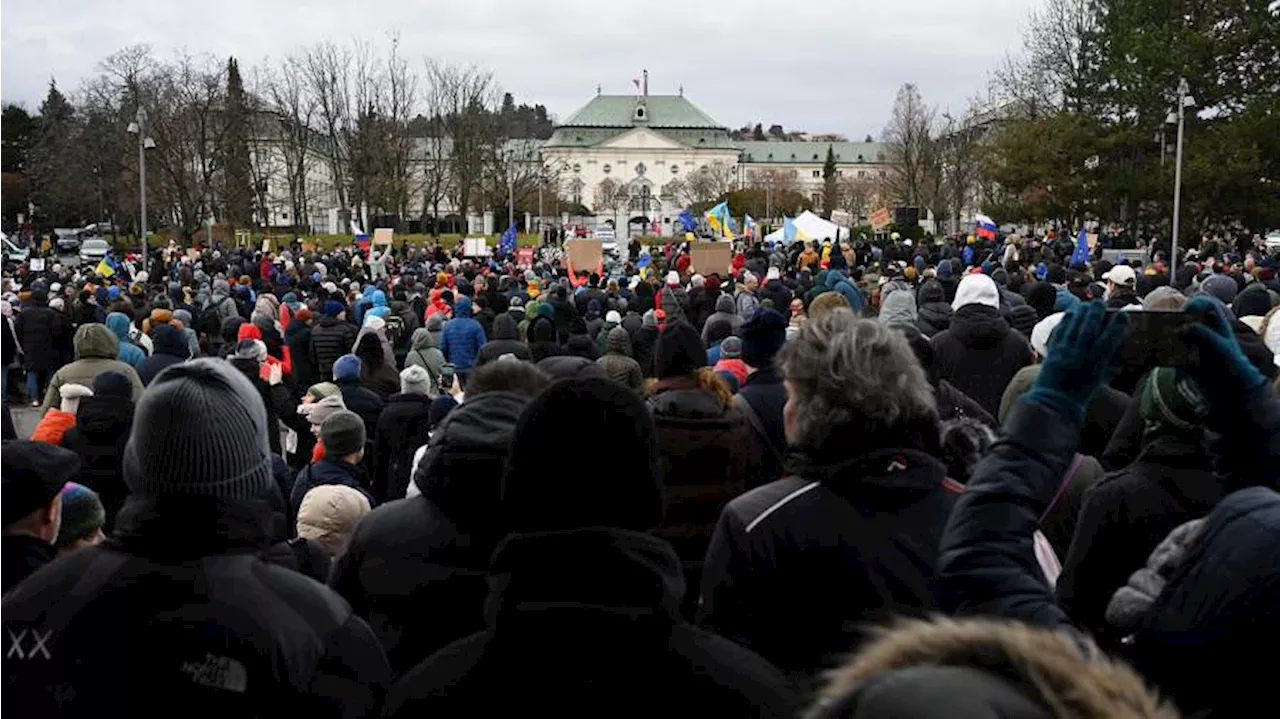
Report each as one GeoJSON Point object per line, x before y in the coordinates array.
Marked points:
{"type": "Point", "coordinates": [52, 426]}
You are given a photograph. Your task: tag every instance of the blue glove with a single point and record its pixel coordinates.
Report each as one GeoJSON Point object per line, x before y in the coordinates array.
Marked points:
{"type": "Point", "coordinates": [1221, 368]}
{"type": "Point", "coordinates": [1081, 351]}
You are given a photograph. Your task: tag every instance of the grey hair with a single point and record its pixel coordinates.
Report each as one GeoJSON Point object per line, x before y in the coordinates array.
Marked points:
{"type": "Point", "coordinates": [852, 379]}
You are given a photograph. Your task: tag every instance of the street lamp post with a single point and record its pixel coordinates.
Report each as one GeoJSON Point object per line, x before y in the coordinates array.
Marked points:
{"type": "Point", "coordinates": [139, 127]}
{"type": "Point", "coordinates": [1184, 101]}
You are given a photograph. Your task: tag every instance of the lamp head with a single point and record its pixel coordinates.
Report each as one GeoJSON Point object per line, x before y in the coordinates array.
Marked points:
{"type": "Point", "coordinates": [149, 143]}
{"type": "Point", "coordinates": [133, 128]}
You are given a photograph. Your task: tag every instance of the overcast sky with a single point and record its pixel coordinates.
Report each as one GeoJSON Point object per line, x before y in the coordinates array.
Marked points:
{"type": "Point", "coordinates": [817, 65]}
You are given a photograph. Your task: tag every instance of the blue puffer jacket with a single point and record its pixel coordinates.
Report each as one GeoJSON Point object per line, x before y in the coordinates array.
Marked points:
{"type": "Point", "coordinates": [463, 337]}
{"type": "Point", "coordinates": [839, 283]}
{"type": "Point", "coordinates": [130, 354]}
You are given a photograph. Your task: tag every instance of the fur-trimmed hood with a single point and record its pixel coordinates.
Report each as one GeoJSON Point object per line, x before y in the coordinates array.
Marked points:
{"type": "Point", "coordinates": [946, 667]}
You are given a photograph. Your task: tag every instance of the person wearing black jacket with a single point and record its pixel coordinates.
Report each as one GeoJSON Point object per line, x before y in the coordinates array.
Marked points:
{"type": "Point", "coordinates": [1128, 513]}
{"type": "Point", "coordinates": [358, 399]}
{"type": "Point", "coordinates": [298, 337]}
{"type": "Point", "coordinates": [433, 549]}
{"type": "Point", "coordinates": [331, 337]}
{"type": "Point", "coordinates": [103, 423]}
{"type": "Point", "coordinates": [403, 427]}
{"type": "Point", "coordinates": [276, 398]}
{"type": "Point", "coordinates": [169, 347]}
{"type": "Point", "coordinates": [581, 584]}
{"type": "Point", "coordinates": [644, 341]}
{"type": "Point", "coordinates": [867, 488]}
{"type": "Point", "coordinates": [1197, 638]}
{"type": "Point", "coordinates": [33, 477]}
{"type": "Point", "coordinates": [762, 337]}
{"type": "Point", "coordinates": [980, 352]}
{"type": "Point", "coordinates": [224, 630]}
{"type": "Point", "coordinates": [503, 341]}
{"type": "Point", "coordinates": [39, 329]}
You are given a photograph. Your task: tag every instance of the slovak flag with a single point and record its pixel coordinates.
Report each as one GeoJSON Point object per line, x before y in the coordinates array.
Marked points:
{"type": "Point", "coordinates": [984, 226]}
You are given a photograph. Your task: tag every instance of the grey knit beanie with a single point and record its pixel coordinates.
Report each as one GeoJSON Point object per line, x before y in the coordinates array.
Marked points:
{"type": "Point", "coordinates": [415, 380]}
{"type": "Point", "coordinates": [342, 433]}
{"type": "Point", "coordinates": [199, 430]}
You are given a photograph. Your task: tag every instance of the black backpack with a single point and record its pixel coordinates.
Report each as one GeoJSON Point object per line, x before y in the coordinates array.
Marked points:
{"type": "Point", "coordinates": [395, 329]}
{"type": "Point", "coordinates": [210, 322]}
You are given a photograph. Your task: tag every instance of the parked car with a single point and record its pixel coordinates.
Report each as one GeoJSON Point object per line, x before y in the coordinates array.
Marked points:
{"type": "Point", "coordinates": [68, 239]}
{"type": "Point", "coordinates": [13, 253]}
{"type": "Point", "coordinates": [93, 250]}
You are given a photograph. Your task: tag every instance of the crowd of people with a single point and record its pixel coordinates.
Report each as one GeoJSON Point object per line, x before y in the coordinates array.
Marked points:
{"type": "Point", "coordinates": [832, 479]}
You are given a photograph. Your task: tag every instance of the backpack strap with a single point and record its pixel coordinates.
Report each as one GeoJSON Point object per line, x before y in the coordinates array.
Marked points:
{"type": "Point", "coordinates": [1076, 462]}
{"type": "Point", "coordinates": [753, 419]}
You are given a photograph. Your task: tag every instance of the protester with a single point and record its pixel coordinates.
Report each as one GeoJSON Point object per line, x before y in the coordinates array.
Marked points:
{"type": "Point", "coordinates": [704, 444]}
{"type": "Point", "coordinates": [462, 339]}
{"type": "Point", "coordinates": [189, 536]}
{"type": "Point", "coordinates": [55, 423]}
{"type": "Point", "coordinates": [504, 342]}
{"type": "Point", "coordinates": [762, 396]}
{"type": "Point", "coordinates": [33, 476]}
{"type": "Point", "coordinates": [329, 514]}
{"type": "Point", "coordinates": [356, 397]}
{"type": "Point", "coordinates": [343, 436]}
{"type": "Point", "coordinates": [541, 601]}
{"type": "Point", "coordinates": [96, 350]}
{"type": "Point", "coordinates": [424, 353]}
{"type": "Point", "coordinates": [980, 352]}
{"type": "Point", "coordinates": [130, 353]}
{"type": "Point", "coordinates": [861, 418]}
{"type": "Point", "coordinates": [39, 329]}
{"type": "Point", "coordinates": [617, 361]}
{"type": "Point", "coordinates": [435, 546]}
{"type": "Point", "coordinates": [103, 423]}
{"type": "Point", "coordinates": [82, 519]}
{"type": "Point", "coordinates": [331, 337]}
{"type": "Point", "coordinates": [170, 348]}
{"type": "Point", "coordinates": [403, 426]}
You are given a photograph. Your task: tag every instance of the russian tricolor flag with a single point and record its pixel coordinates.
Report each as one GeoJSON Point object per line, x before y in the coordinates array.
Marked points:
{"type": "Point", "coordinates": [984, 226]}
{"type": "Point", "coordinates": [362, 237]}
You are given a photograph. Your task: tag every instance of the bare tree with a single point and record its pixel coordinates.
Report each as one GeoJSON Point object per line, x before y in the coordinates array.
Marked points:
{"type": "Point", "coordinates": [289, 131]}
{"type": "Point", "coordinates": [326, 71]}
{"type": "Point", "coordinates": [854, 195]}
{"type": "Point", "coordinates": [710, 181]}
{"type": "Point", "coordinates": [610, 196]}
{"type": "Point", "coordinates": [911, 152]}
{"type": "Point", "coordinates": [464, 98]}
{"type": "Point", "coordinates": [1059, 54]}
{"type": "Point", "coordinates": [960, 149]}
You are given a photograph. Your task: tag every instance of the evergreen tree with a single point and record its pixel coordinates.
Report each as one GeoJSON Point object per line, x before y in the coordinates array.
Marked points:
{"type": "Point", "coordinates": [239, 191]}
{"type": "Point", "coordinates": [830, 198]}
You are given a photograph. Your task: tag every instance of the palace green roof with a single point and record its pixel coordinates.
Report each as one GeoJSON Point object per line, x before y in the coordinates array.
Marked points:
{"type": "Point", "coordinates": [664, 112]}
{"type": "Point", "coordinates": [812, 152]}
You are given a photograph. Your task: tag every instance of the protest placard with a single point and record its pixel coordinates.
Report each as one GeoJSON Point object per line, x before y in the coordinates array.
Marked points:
{"type": "Point", "coordinates": [711, 257]}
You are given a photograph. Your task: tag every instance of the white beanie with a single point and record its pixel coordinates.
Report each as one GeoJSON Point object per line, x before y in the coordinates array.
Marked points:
{"type": "Point", "coordinates": [773, 274]}
{"type": "Point", "coordinates": [673, 278]}
{"type": "Point", "coordinates": [613, 316]}
{"type": "Point", "coordinates": [71, 394]}
{"type": "Point", "coordinates": [976, 289]}
{"type": "Point", "coordinates": [1041, 332]}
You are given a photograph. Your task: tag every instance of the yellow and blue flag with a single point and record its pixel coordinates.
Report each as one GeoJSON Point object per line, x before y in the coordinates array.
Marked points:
{"type": "Point", "coordinates": [104, 268]}
{"type": "Point", "coordinates": [719, 219]}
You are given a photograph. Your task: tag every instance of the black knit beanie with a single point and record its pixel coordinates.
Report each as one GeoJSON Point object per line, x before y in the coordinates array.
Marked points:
{"type": "Point", "coordinates": [762, 336]}
{"type": "Point", "coordinates": [200, 430]}
{"type": "Point", "coordinates": [679, 351]}
{"type": "Point", "coordinates": [613, 430]}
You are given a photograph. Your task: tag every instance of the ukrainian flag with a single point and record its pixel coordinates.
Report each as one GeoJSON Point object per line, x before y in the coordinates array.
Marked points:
{"type": "Point", "coordinates": [104, 268]}
{"type": "Point", "coordinates": [719, 219]}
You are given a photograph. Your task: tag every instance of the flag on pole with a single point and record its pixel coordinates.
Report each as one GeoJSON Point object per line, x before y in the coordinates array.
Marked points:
{"type": "Point", "coordinates": [507, 243]}
{"type": "Point", "coordinates": [719, 219]}
{"type": "Point", "coordinates": [984, 226]}
{"type": "Point", "coordinates": [748, 226]}
{"type": "Point", "coordinates": [687, 220]}
{"type": "Point", "coordinates": [104, 268]}
{"type": "Point", "coordinates": [1081, 254]}
{"type": "Point", "coordinates": [361, 237]}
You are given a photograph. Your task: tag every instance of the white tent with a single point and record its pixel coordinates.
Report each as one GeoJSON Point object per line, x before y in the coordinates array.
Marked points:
{"type": "Point", "coordinates": [813, 227]}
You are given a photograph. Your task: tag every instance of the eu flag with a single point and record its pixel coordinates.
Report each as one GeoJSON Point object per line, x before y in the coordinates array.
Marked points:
{"type": "Point", "coordinates": [686, 219]}
{"type": "Point", "coordinates": [507, 243]}
{"type": "Point", "coordinates": [1081, 254]}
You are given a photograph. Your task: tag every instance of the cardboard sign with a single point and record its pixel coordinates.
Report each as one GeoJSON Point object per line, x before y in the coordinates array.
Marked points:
{"type": "Point", "coordinates": [585, 254]}
{"type": "Point", "coordinates": [266, 244]}
{"type": "Point", "coordinates": [711, 257]}
{"type": "Point", "coordinates": [36, 264]}
{"type": "Point", "coordinates": [384, 236]}
{"type": "Point", "coordinates": [1091, 240]}
{"type": "Point", "coordinates": [881, 219]}
{"type": "Point", "coordinates": [308, 246]}
{"type": "Point", "coordinates": [841, 217]}
{"type": "Point", "coordinates": [524, 257]}
{"type": "Point", "coordinates": [475, 247]}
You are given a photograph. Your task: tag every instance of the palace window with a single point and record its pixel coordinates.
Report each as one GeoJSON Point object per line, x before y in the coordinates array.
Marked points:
{"type": "Point", "coordinates": [817, 173]}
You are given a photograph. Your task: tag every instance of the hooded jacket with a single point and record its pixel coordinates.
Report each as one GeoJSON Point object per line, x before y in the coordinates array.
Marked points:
{"type": "Point", "coordinates": [96, 351]}
{"type": "Point", "coordinates": [601, 606]}
{"type": "Point", "coordinates": [934, 313]}
{"type": "Point", "coordinates": [424, 353]}
{"type": "Point", "coordinates": [413, 561]}
{"type": "Point", "coordinates": [542, 338]}
{"type": "Point", "coordinates": [724, 311]}
{"type": "Point", "coordinates": [129, 353]}
{"type": "Point", "coordinates": [297, 337]}
{"type": "Point", "coordinates": [617, 362]}
{"type": "Point", "coordinates": [462, 337]}
{"type": "Point", "coordinates": [170, 348]}
{"type": "Point", "coordinates": [899, 307]}
{"type": "Point", "coordinates": [505, 341]}
{"type": "Point", "coordinates": [980, 353]}
{"type": "Point", "coordinates": [102, 429]}
{"type": "Point", "coordinates": [241, 634]}
{"type": "Point", "coordinates": [403, 427]}
{"type": "Point", "coordinates": [983, 668]}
